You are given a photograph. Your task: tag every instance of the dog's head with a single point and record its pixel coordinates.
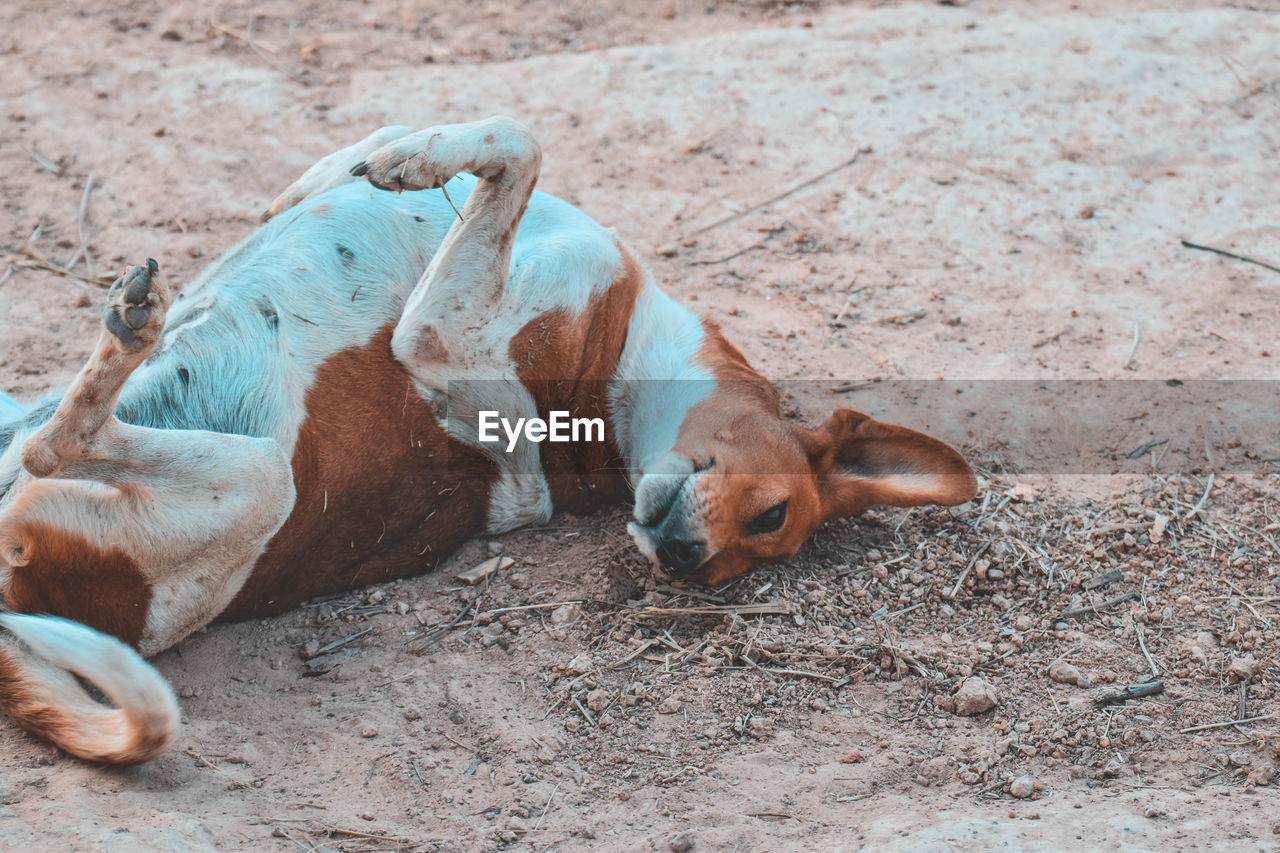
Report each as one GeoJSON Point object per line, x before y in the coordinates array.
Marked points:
{"type": "Point", "coordinates": [727, 499]}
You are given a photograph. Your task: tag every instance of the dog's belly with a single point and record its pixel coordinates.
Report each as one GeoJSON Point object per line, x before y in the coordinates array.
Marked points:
{"type": "Point", "coordinates": [383, 492]}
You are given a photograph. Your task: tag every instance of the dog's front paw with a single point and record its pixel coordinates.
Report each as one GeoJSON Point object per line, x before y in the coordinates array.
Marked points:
{"type": "Point", "coordinates": [406, 164]}
{"type": "Point", "coordinates": [493, 149]}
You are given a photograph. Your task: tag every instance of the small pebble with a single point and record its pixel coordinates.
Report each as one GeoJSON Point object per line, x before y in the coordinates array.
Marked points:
{"type": "Point", "coordinates": [1242, 669]}
{"type": "Point", "coordinates": [1262, 776]}
{"type": "Point", "coordinates": [975, 696]}
{"type": "Point", "coordinates": [1064, 673]}
{"type": "Point", "coordinates": [1022, 787]}
{"type": "Point", "coordinates": [564, 614]}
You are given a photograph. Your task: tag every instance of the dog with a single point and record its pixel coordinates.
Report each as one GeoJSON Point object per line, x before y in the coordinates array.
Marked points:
{"type": "Point", "coordinates": [304, 418]}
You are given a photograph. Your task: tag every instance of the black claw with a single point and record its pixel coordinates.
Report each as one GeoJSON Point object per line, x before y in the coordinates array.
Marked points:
{"type": "Point", "coordinates": [152, 266]}
{"type": "Point", "coordinates": [360, 169]}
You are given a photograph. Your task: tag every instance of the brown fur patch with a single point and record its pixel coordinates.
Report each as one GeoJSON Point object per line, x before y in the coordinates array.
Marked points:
{"type": "Point", "coordinates": [567, 362]}
{"type": "Point", "coordinates": [383, 492]}
{"type": "Point", "coordinates": [23, 702]}
{"type": "Point", "coordinates": [66, 575]}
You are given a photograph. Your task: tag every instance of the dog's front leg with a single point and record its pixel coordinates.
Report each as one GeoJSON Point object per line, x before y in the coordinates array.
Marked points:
{"type": "Point", "coordinates": [465, 281]}
{"type": "Point", "coordinates": [450, 337]}
{"type": "Point", "coordinates": [143, 533]}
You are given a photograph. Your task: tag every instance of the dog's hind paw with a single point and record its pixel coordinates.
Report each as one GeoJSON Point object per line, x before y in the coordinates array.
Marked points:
{"type": "Point", "coordinates": [136, 306]}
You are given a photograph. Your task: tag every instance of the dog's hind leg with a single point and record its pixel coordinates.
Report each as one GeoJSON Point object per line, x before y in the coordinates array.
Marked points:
{"type": "Point", "coordinates": [132, 323]}
{"type": "Point", "coordinates": [333, 170]}
{"type": "Point", "coordinates": [450, 337]}
{"type": "Point", "coordinates": [141, 533]}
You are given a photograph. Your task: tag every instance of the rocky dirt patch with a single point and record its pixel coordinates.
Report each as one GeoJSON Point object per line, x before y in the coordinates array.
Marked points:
{"type": "Point", "coordinates": [1029, 172]}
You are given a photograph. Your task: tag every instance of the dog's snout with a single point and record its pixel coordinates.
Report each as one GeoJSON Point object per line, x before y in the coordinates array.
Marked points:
{"type": "Point", "coordinates": [681, 556]}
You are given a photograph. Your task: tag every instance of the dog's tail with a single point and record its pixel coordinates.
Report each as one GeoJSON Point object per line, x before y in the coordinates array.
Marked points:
{"type": "Point", "coordinates": [39, 659]}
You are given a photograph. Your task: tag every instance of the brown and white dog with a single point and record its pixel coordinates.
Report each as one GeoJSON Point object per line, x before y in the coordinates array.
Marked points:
{"type": "Point", "coordinates": [304, 419]}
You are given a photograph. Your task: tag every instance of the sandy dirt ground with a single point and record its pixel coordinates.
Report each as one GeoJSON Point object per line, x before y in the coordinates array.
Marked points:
{"type": "Point", "coordinates": [1027, 173]}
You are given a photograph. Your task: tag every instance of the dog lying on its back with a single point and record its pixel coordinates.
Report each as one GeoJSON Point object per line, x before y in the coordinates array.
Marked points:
{"type": "Point", "coordinates": [272, 432]}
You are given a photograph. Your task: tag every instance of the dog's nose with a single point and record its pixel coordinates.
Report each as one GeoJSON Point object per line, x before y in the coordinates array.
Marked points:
{"type": "Point", "coordinates": [681, 556]}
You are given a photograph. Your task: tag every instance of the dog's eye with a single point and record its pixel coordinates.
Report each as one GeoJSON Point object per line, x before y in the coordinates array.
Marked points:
{"type": "Point", "coordinates": [769, 520]}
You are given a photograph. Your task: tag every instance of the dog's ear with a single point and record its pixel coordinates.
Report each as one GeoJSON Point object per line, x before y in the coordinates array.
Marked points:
{"type": "Point", "coordinates": [861, 462]}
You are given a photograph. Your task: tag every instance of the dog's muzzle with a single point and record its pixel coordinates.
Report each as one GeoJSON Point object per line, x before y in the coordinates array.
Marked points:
{"type": "Point", "coordinates": [680, 557]}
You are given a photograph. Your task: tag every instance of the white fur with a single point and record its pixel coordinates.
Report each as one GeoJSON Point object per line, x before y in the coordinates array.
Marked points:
{"type": "Point", "coordinates": [334, 170]}
{"type": "Point", "coordinates": [658, 379]}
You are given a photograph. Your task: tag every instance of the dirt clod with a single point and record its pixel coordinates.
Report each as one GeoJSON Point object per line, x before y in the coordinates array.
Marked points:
{"type": "Point", "coordinates": [1242, 668]}
{"type": "Point", "coordinates": [1262, 775]}
{"type": "Point", "coordinates": [975, 696]}
{"type": "Point", "coordinates": [1065, 673]}
{"type": "Point", "coordinates": [681, 843]}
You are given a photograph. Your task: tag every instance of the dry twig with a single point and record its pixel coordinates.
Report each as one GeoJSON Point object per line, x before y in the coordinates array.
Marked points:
{"type": "Point", "coordinates": [1227, 254]}
{"type": "Point", "coordinates": [1133, 691]}
{"type": "Point", "coordinates": [780, 196]}
{"type": "Point", "coordinates": [1224, 725]}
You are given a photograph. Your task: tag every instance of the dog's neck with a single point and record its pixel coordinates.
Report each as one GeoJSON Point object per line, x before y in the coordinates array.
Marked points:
{"type": "Point", "coordinates": [674, 362]}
